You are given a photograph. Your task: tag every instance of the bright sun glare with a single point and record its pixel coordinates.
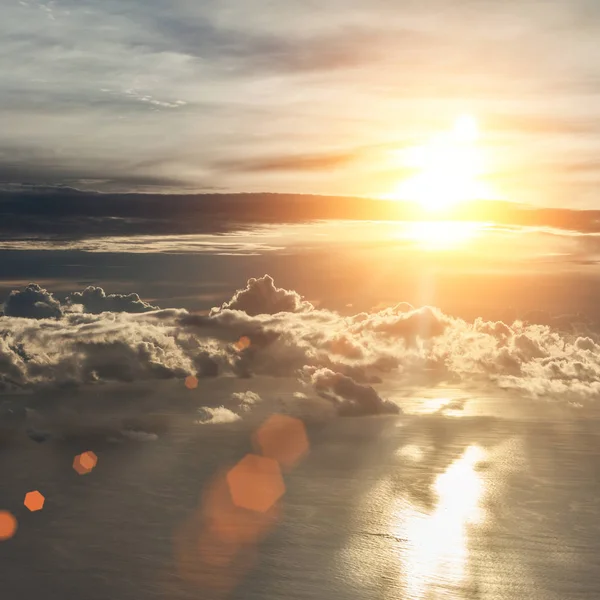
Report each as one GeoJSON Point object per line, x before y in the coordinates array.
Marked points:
{"type": "Point", "coordinates": [448, 169]}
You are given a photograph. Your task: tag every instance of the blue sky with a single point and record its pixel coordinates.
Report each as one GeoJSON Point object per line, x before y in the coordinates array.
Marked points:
{"type": "Point", "coordinates": [296, 96]}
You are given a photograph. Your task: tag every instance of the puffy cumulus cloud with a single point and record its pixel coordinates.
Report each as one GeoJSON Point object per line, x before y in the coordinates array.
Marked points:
{"type": "Point", "coordinates": [246, 401]}
{"type": "Point", "coordinates": [535, 359]}
{"type": "Point", "coordinates": [403, 322]}
{"type": "Point", "coordinates": [363, 346]}
{"type": "Point", "coordinates": [33, 302]}
{"type": "Point", "coordinates": [586, 343]}
{"type": "Point", "coordinates": [344, 357]}
{"type": "Point", "coordinates": [216, 415]}
{"type": "Point", "coordinates": [261, 296]}
{"type": "Point", "coordinates": [81, 348]}
{"type": "Point", "coordinates": [420, 344]}
{"type": "Point", "coordinates": [95, 300]}
{"type": "Point", "coordinates": [352, 398]}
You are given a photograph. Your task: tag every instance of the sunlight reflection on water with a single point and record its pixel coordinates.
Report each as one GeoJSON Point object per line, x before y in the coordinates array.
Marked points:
{"type": "Point", "coordinates": [436, 551]}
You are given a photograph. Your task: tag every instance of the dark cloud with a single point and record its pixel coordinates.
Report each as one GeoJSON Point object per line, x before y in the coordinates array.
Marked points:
{"type": "Point", "coordinates": [261, 296]}
{"type": "Point", "coordinates": [95, 300]}
{"type": "Point", "coordinates": [353, 399]}
{"type": "Point", "coordinates": [33, 302]}
{"type": "Point", "coordinates": [54, 172]}
{"type": "Point", "coordinates": [69, 212]}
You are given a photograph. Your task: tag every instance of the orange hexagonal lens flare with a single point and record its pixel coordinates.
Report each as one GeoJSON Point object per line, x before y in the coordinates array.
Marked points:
{"type": "Point", "coordinates": [85, 462]}
{"type": "Point", "coordinates": [228, 522]}
{"type": "Point", "coordinates": [255, 483]}
{"type": "Point", "coordinates": [34, 501]}
{"type": "Point", "coordinates": [282, 438]}
{"type": "Point", "coordinates": [207, 561]}
{"type": "Point", "coordinates": [191, 382]}
{"type": "Point", "coordinates": [243, 343]}
{"type": "Point", "coordinates": [8, 525]}
{"type": "Point", "coordinates": [207, 566]}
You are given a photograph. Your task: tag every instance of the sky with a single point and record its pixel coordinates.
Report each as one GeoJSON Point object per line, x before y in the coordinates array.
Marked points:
{"type": "Point", "coordinates": [300, 97]}
{"type": "Point", "coordinates": [375, 221]}
{"type": "Point", "coordinates": [105, 107]}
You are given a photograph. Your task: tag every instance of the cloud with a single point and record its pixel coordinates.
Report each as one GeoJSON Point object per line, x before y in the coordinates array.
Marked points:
{"type": "Point", "coordinates": [67, 75]}
{"type": "Point", "coordinates": [139, 436]}
{"type": "Point", "coordinates": [95, 300]}
{"type": "Point", "coordinates": [344, 358]}
{"type": "Point", "coordinates": [353, 399]}
{"type": "Point", "coordinates": [80, 348]}
{"type": "Point", "coordinates": [213, 416]}
{"type": "Point", "coordinates": [261, 296]}
{"type": "Point", "coordinates": [246, 401]}
{"type": "Point", "coordinates": [51, 212]}
{"type": "Point", "coordinates": [291, 163]}
{"type": "Point", "coordinates": [401, 322]}
{"type": "Point", "coordinates": [33, 302]}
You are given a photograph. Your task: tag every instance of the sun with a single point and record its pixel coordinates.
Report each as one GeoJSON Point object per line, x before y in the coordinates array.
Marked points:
{"type": "Point", "coordinates": [448, 169]}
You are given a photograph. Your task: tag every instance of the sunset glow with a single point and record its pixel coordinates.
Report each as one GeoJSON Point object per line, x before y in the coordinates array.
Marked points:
{"type": "Point", "coordinates": [448, 169]}
{"type": "Point", "coordinates": [441, 235]}
{"type": "Point", "coordinates": [300, 300]}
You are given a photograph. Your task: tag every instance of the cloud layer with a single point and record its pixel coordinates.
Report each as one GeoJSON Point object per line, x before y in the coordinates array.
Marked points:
{"type": "Point", "coordinates": [65, 212]}
{"type": "Point", "coordinates": [342, 359]}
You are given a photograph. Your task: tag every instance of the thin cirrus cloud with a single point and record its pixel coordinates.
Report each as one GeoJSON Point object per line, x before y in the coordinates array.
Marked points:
{"type": "Point", "coordinates": [290, 163]}
{"type": "Point", "coordinates": [104, 88]}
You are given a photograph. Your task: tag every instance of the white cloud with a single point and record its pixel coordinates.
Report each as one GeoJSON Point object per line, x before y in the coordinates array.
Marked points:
{"type": "Point", "coordinates": [218, 415]}
{"type": "Point", "coordinates": [262, 296]}
{"type": "Point", "coordinates": [95, 300]}
{"type": "Point", "coordinates": [246, 400]}
{"type": "Point", "coordinates": [139, 436]}
{"type": "Point", "coordinates": [343, 358]}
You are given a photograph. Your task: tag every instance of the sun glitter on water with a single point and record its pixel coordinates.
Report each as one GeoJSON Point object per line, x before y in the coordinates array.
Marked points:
{"type": "Point", "coordinates": [448, 169]}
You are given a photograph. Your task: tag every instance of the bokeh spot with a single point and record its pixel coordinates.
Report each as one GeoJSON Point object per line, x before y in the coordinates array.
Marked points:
{"type": "Point", "coordinates": [228, 522]}
{"type": "Point", "coordinates": [283, 438]}
{"type": "Point", "coordinates": [207, 562]}
{"type": "Point", "coordinates": [85, 462]}
{"type": "Point", "coordinates": [243, 343]}
{"type": "Point", "coordinates": [191, 382]}
{"type": "Point", "coordinates": [8, 525]}
{"type": "Point", "coordinates": [34, 501]}
{"type": "Point", "coordinates": [255, 483]}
